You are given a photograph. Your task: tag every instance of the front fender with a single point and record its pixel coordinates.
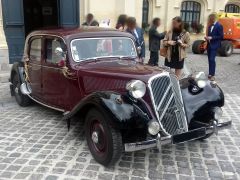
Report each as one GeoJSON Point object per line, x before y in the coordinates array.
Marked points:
{"type": "Point", "coordinates": [123, 113]}
{"type": "Point", "coordinates": [199, 106]}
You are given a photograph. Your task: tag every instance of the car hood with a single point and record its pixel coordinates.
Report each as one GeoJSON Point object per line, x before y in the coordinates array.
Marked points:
{"type": "Point", "coordinates": [113, 75]}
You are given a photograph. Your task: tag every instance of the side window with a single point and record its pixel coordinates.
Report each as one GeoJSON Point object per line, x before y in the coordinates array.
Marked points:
{"type": "Point", "coordinates": [36, 50]}
{"type": "Point", "coordinates": [51, 46]}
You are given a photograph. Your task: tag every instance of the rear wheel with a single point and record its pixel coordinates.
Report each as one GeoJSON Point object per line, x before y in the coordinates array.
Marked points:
{"type": "Point", "coordinates": [226, 48]}
{"type": "Point", "coordinates": [196, 47]}
{"type": "Point", "coordinates": [104, 142]}
{"type": "Point", "coordinates": [21, 99]}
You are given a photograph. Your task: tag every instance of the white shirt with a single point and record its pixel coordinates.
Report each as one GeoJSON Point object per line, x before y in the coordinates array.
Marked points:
{"type": "Point", "coordinates": [136, 34]}
{"type": "Point", "coordinates": [213, 26]}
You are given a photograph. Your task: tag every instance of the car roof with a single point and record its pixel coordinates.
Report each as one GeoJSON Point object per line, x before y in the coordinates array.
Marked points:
{"type": "Point", "coordinates": [83, 31]}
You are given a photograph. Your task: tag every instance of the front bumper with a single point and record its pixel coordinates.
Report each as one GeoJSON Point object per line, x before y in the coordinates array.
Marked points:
{"type": "Point", "coordinates": [179, 138]}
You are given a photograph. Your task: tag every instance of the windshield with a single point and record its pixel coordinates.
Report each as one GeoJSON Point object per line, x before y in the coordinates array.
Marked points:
{"type": "Point", "coordinates": [92, 48]}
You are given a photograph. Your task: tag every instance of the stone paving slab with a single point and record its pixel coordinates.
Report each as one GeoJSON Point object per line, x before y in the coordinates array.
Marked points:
{"type": "Point", "coordinates": [35, 143]}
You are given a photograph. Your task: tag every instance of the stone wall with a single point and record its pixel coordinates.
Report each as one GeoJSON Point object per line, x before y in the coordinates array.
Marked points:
{"type": "Point", "coordinates": [4, 60]}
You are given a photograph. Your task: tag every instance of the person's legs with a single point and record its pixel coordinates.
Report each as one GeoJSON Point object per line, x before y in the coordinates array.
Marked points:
{"type": "Point", "coordinates": [150, 62]}
{"type": "Point", "coordinates": [178, 73]}
{"type": "Point", "coordinates": [156, 58]}
{"type": "Point", "coordinates": [212, 63]}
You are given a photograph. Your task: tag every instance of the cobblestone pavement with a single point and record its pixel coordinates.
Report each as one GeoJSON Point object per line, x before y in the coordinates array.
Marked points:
{"type": "Point", "coordinates": [35, 143]}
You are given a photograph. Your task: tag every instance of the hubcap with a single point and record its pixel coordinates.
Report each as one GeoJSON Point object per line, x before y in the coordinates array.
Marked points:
{"type": "Point", "coordinates": [98, 137]}
{"type": "Point", "coordinates": [95, 137]}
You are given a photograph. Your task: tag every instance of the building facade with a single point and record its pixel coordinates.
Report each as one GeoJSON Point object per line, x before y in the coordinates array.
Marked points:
{"type": "Point", "coordinates": [19, 17]}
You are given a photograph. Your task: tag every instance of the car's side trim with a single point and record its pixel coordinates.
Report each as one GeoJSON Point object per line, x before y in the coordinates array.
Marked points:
{"type": "Point", "coordinates": [51, 107]}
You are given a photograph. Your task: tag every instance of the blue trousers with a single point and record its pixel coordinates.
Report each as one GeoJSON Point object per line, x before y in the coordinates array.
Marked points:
{"type": "Point", "coordinates": [212, 53]}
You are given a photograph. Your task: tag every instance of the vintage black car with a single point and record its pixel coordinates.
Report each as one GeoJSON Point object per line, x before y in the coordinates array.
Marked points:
{"type": "Point", "coordinates": [94, 73]}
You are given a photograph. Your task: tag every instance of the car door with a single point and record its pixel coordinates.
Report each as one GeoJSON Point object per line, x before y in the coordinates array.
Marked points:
{"type": "Point", "coordinates": [55, 84]}
{"type": "Point", "coordinates": [35, 66]}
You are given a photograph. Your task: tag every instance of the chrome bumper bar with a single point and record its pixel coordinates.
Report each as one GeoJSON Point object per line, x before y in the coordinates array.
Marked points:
{"type": "Point", "coordinates": [179, 138]}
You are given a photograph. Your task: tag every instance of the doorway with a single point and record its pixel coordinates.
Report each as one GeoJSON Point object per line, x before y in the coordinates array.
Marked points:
{"type": "Point", "coordinates": [40, 14]}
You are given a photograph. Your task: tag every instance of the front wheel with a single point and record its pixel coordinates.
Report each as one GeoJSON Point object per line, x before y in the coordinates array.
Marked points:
{"type": "Point", "coordinates": [21, 99]}
{"type": "Point", "coordinates": [104, 142]}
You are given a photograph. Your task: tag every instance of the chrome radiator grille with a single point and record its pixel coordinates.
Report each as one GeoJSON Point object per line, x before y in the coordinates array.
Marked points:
{"type": "Point", "coordinates": [167, 100]}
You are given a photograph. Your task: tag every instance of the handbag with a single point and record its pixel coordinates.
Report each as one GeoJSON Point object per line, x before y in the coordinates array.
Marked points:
{"type": "Point", "coordinates": [163, 50]}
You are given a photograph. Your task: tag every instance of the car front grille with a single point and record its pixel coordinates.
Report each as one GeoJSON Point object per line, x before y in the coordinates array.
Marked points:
{"type": "Point", "coordinates": [168, 104]}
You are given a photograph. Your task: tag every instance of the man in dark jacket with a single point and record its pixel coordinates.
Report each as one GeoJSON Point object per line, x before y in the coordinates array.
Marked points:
{"type": "Point", "coordinates": [214, 38]}
{"type": "Point", "coordinates": [138, 34]}
{"type": "Point", "coordinates": [154, 42]}
{"type": "Point", "coordinates": [90, 21]}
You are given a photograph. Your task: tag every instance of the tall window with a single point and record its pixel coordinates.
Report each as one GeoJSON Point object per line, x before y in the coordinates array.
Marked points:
{"type": "Point", "coordinates": [190, 13]}
{"type": "Point", "coordinates": [232, 8]}
{"type": "Point", "coordinates": [145, 14]}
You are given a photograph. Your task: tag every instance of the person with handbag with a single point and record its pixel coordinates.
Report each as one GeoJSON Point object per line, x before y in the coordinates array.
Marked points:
{"type": "Point", "coordinates": [154, 41]}
{"type": "Point", "coordinates": [175, 43]}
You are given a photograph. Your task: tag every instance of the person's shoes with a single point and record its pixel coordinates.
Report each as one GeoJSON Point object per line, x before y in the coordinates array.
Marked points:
{"type": "Point", "coordinates": [209, 77]}
{"type": "Point", "coordinates": [212, 78]}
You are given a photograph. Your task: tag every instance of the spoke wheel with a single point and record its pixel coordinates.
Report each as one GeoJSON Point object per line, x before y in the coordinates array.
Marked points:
{"type": "Point", "coordinates": [104, 142]}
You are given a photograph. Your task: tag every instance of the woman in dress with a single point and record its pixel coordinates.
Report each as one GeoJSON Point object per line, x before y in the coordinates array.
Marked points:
{"type": "Point", "coordinates": [177, 40]}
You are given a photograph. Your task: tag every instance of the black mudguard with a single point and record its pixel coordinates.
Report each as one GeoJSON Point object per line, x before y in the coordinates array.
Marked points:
{"type": "Point", "coordinates": [199, 104]}
{"type": "Point", "coordinates": [124, 113]}
{"type": "Point", "coordinates": [17, 68]}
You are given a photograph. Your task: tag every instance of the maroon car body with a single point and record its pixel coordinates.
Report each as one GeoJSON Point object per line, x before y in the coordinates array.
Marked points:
{"type": "Point", "coordinates": [125, 104]}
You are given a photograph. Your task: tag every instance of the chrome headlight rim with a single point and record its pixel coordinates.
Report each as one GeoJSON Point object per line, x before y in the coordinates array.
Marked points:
{"type": "Point", "coordinates": [136, 88]}
{"type": "Point", "coordinates": [153, 127]}
{"type": "Point", "coordinates": [218, 113]}
{"type": "Point", "coordinates": [201, 79]}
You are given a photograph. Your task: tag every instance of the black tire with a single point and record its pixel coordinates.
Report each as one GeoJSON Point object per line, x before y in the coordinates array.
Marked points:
{"type": "Point", "coordinates": [226, 49]}
{"type": "Point", "coordinates": [196, 47]}
{"type": "Point", "coordinates": [21, 99]}
{"type": "Point", "coordinates": [107, 147]}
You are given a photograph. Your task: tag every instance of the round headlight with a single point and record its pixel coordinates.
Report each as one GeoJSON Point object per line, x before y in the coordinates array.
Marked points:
{"type": "Point", "coordinates": [153, 127]}
{"type": "Point", "coordinates": [201, 83]}
{"type": "Point", "coordinates": [136, 88]}
{"type": "Point", "coordinates": [201, 79]}
{"type": "Point", "coordinates": [218, 113]}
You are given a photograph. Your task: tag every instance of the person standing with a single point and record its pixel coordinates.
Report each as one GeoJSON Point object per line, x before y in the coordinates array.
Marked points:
{"type": "Point", "coordinates": [154, 41]}
{"type": "Point", "coordinates": [138, 34]}
{"type": "Point", "coordinates": [214, 38]}
{"type": "Point", "coordinates": [176, 41]}
{"type": "Point", "coordinates": [122, 22]}
{"type": "Point", "coordinates": [90, 21]}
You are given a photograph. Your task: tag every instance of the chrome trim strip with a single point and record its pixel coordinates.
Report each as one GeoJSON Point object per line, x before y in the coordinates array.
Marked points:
{"type": "Point", "coordinates": [166, 107]}
{"type": "Point", "coordinates": [181, 98]}
{"type": "Point", "coordinates": [163, 98]}
{"type": "Point", "coordinates": [57, 109]}
{"type": "Point", "coordinates": [152, 98]}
